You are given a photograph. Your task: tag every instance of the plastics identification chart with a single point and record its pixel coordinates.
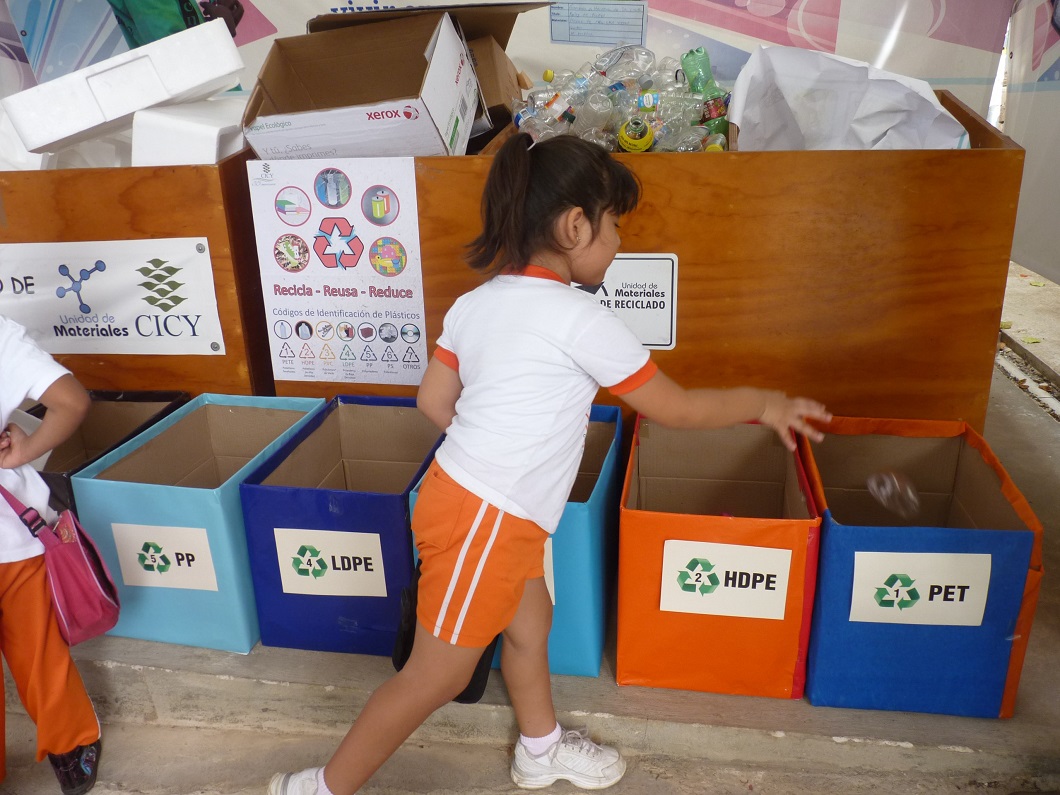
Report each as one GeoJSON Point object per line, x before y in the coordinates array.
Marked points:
{"type": "Point", "coordinates": [338, 248]}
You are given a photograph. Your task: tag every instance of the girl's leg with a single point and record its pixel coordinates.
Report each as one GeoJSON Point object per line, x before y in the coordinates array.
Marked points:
{"type": "Point", "coordinates": [39, 659]}
{"type": "Point", "coordinates": [524, 661]}
{"type": "Point", "coordinates": [435, 673]}
{"type": "Point", "coordinates": [567, 755]}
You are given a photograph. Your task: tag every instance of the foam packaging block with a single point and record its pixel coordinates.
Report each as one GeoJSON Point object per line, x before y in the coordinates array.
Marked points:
{"type": "Point", "coordinates": [186, 66]}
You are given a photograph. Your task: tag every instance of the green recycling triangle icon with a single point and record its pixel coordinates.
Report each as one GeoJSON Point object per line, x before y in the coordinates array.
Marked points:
{"type": "Point", "coordinates": [897, 591]}
{"type": "Point", "coordinates": [698, 575]}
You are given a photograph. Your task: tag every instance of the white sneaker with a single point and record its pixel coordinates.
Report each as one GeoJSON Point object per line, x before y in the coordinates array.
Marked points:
{"type": "Point", "coordinates": [574, 758]}
{"type": "Point", "coordinates": [303, 783]}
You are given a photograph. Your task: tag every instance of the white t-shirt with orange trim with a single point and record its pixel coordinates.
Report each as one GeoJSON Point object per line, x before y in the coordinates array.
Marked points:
{"type": "Point", "coordinates": [531, 352]}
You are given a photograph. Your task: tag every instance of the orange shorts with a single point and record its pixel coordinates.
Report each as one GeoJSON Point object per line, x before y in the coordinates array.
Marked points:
{"type": "Point", "coordinates": [475, 560]}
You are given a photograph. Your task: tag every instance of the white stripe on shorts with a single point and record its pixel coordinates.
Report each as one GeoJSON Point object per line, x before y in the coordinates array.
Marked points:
{"type": "Point", "coordinates": [458, 567]}
{"type": "Point", "coordinates": [478, 573]}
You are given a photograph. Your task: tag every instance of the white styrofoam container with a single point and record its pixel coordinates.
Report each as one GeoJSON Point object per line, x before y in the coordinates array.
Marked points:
{"type": "Point", "coordinates": [189, 134]}
{"type": "Point", "coordinates": [183, 67]}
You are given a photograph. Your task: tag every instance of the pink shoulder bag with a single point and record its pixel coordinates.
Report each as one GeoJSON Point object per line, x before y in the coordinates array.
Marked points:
{"type": "Point", "coordinates": [83, 593]}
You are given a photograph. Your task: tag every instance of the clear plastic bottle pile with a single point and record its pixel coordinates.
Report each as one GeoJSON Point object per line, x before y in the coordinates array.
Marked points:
{"type": "Point", "coordinates": [627, 101]}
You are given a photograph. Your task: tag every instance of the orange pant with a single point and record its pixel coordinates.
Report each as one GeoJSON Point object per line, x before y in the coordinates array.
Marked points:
{"type": "Point", "coordinates": [475, 561]}
{"type": "Point", "coordinates": [39, 660]}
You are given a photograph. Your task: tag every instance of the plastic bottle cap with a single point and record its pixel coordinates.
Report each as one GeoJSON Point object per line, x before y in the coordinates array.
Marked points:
{"type": "Point", "coordinates": [714, 148]}
{"type": "Point", "coordinates": [549, 75]}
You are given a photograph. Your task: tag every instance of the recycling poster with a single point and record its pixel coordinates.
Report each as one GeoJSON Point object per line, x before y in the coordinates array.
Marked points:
{"type": "Point", "coordinates": [341, 271]}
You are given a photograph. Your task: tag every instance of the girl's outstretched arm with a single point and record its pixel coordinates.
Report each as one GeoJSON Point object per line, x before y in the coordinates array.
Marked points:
{"type": "Point", "coordinates": [438, 393]}
{"type": "Point", "coordinates": [668, 403]}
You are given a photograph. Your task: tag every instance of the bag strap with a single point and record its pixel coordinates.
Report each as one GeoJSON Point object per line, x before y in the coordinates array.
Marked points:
{"type": "Point", "coordinates": [33, 521]}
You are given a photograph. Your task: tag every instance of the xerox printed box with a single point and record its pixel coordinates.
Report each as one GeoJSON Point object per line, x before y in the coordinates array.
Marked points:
{"type": "Point", "coordinates": [923, 605]}
{"type": "Point", "coordinates": [164, 510]}
{"type": "Point", "coordinates": [327, 522]}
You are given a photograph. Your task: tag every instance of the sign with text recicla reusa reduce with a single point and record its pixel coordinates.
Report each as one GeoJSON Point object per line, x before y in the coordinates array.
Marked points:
{"type": "Point", "coordinates": [154, 556]}
{"type": "Point", "coordinates": [724, 579]}
{"type": "Point", "coordinates": [330, 562]}
{"type": "Point", "coordinates": [944, 589]}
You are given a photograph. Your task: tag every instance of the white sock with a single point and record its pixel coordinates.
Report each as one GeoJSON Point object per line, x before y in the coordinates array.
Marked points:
{"type": "Point", "coordinates": [322, 788]}
{"type": "Point", "coordinates": [538, 745]}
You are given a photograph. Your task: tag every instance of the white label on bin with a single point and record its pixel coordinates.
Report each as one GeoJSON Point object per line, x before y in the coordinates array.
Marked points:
{"type": "Point", "coordinates": [165, 557]}
{"type": "Point", "coordinates": [330, 562]}
{"type": "Point", "coordinates": [945, 589]}
{"type": "Point", "coordinates": [724, 579]}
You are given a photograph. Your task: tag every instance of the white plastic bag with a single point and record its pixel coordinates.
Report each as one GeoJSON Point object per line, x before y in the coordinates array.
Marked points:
{"type": "Point", "coordinates": [788, 98]}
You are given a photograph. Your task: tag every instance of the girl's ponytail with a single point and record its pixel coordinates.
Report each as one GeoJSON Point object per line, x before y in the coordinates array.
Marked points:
{"type": "Point", "coordinates": [530, 185]}
{"type": "Point", "coordinates": [503, 206]}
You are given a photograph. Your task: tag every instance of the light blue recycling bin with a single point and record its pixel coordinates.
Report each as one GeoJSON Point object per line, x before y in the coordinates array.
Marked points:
{"type": "Point", "coordinates": [581, 555]}
{"type": "Point", "coordinates": [165, 511]}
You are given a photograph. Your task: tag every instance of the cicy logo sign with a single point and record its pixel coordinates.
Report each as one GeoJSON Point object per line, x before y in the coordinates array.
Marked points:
{"type": "Point", "coordinates": [161, 286]}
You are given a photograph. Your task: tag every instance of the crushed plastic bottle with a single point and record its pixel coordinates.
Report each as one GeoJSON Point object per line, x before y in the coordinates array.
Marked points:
{"type": "Point", "coordinates": [894, 491]}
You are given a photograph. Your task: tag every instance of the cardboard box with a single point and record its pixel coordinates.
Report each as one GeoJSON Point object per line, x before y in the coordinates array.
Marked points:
{"type": "Point", "coordinates": [717, 562]}
{"type": "Point", "coordinates": [929, 614]}
{"type": "Point", "coordinates": [193, 133]}
{"type": "Point", "coordinates": [327, 522]}
{"type": "Point", "coordinates": [499, 85]}
{"type": "Point", "coordinates": [113, 419]}
{"type": "Point", "coordinates": [164, 510]}
{"type": "Point", "coordinates": [193, 64]}
{"type": "Point", "coordinates": [579, 555]}
{"type": "Point", "coordinates": [398, 88]}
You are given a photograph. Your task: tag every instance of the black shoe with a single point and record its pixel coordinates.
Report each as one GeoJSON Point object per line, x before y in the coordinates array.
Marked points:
{"type": "Point", "coordinates": [76, 769]}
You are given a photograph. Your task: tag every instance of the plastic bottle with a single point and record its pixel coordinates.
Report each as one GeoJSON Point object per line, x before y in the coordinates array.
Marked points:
{"type": "Point", "coordinates": [681, 107]}
{"type": "Point", "coordinates": [521, 111]}
{"type": "Point", "coordinates": [594, 113]}
{"type": "Point", "coordinates": [635, 135]}
{"type": "Point", "coordinates": [696, 66]}
{"type": "Point", "coordinates": [557, 78]}
{"type": "Point", "coordinates": [607, 140]}
{"type": "Point", "coordinates": [716, 109]}
{"type": "Point", "coordinates": [715, 142]}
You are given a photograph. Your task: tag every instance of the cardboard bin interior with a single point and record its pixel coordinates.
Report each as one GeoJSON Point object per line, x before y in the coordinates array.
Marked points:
{"type": "Point", "coordinates": [113, 418]}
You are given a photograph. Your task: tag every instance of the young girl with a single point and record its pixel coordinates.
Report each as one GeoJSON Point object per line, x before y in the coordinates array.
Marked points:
{"type": "Point", "coordinates": [517, 366]}
{"type": "Point", "coordinates": [37, 656]}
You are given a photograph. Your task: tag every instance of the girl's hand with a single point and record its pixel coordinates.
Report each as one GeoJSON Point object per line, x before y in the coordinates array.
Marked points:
{"type": "Point", "coordinates": [12, 442]}
{"type": "Point", "coordinates": [785, 415]}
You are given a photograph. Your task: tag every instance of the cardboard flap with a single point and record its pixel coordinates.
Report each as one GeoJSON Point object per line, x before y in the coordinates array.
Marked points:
{"type": "Point", "coordinates": [742, 452]}
{"type": "Point", "coordinates": [326, 71]}
{"type": "Point", "coordinates": [496, 20]}
{"type": "Point", "coordinates": [360, 447]}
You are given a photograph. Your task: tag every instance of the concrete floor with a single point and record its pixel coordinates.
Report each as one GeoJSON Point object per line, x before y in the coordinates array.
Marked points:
{"type": "Point", "coordinates": [183, 721]}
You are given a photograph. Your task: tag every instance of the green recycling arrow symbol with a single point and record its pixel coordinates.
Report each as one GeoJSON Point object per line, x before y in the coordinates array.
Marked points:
{"type": "Point", "coordinates": [690, 580]}
{"type": "Point", "coordinates": [884, 597]}
{"type": "Point", "coordinates": [151, 558]}
{"type": "Point", "coordinates": [308, 562]}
